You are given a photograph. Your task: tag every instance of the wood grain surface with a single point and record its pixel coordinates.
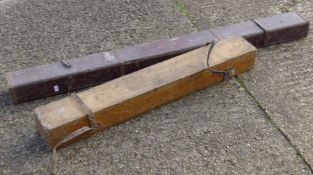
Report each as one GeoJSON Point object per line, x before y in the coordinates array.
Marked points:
{"type": "Point", "coordinates": [124, 98]}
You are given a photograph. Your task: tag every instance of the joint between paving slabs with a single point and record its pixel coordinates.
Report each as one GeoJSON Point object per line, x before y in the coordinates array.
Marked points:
{"type": "Point", "coordinates": [183, 10]}
{"type": "Point", "coordinates": [273, 123]}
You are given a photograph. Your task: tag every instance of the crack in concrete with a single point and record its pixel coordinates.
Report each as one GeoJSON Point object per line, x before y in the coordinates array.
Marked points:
{"type": "Point", "coordinates": [268, 117]}
{"type": "Point", "coordinates": [274, 124]}
{"type": "Point", "coordinates": [182, 9]}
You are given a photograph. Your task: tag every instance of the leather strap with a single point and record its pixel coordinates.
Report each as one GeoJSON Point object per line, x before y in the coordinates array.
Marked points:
{"type": "Point", "coordinates": [86, 109]}
{"type": "Point", "coordinates": [227, 73]}
{"type": "Point", "coordinates": [92, 125]}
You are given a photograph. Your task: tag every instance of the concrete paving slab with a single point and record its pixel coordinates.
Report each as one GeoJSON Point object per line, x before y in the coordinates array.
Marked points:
{"type": "Point", "coordinates": [214, 13]}
{"type": "Point", "coordinates": [219, 130]}
{"type": "Point", "coordinates": [283, 85]}
{"type": "Point", "coordinates": [41, 31]}
{"type": "Point", "coordinates": [282, 78]}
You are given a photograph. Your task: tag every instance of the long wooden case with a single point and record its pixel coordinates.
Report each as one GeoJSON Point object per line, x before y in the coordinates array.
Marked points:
{"type": "Point", "coordinates": [124, 98]}
{"type": "Point", "coordinates": [55, 78]}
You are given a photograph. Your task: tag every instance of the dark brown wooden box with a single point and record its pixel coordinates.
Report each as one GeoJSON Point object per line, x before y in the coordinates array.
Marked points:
{"type": "Point", "coordinates": [52, 79]}
{"type": "Point", "coordinates": [248, 30]}
{"type": "Point", "coordinates": [282, 28]}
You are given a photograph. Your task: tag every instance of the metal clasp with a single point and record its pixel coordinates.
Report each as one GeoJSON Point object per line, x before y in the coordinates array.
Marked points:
{"type": "Point", "coordinates": [66, 64]}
